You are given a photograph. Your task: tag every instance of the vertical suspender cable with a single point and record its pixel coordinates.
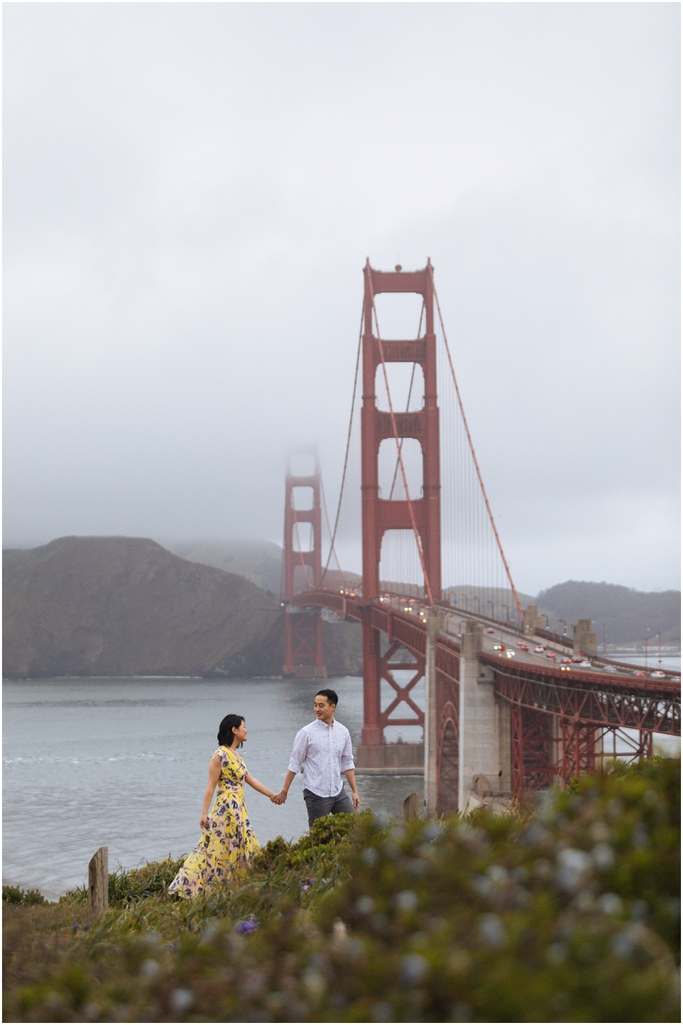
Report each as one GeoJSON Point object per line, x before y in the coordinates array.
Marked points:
{"type": "Point", "coordinates": [346, 454]}
{"type": "Point", "coordinates": [474, 457]}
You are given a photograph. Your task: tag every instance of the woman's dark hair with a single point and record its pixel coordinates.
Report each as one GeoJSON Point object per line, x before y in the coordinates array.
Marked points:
{"type": "Point", "coordinates": [225, 734]}
{"type": "Point", "coordinates": [330, 694]}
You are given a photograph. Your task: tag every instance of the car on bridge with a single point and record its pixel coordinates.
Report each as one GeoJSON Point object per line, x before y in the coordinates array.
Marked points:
{"type": "Point", "coordinates": [539, 648]}
{"type": "Point", "coordinates": [577, 658]}
{"type": "Point", "coordinates": [490, 630]}
{"type": "Point", "coordinates": [585, 664]}
{"type": "Point", "coordinates": [550, 654]}
{"type": "Point", "coordinates": [659, 673]}
{"type": "Point", "coordinates": [566, 661]}
{"type": "Point", "coordinates": [522, 646]}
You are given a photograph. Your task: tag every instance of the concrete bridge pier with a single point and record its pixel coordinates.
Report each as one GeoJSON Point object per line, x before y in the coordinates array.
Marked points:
{"type": "Point", "coordinates": [436, 620]}
{"type": "Point", "coordinates": [485, 739]}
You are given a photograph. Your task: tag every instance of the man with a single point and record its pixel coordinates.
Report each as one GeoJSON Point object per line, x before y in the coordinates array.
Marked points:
{"type": "Point", "coordinates": [322, 751]}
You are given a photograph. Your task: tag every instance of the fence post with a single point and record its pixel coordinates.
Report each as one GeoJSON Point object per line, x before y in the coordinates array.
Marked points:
{"type": "Point", "coordinates": [411, 807]}
{"type": "Point", "coordinates": [98, 882]}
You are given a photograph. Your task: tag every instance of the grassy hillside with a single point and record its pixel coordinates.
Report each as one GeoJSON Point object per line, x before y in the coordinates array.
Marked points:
{"type": "Point", "coordinates": [566, 913]}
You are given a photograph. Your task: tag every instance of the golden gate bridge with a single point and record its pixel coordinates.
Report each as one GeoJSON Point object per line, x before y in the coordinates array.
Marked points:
{"type": "Point", "coordinates": [455, 666]}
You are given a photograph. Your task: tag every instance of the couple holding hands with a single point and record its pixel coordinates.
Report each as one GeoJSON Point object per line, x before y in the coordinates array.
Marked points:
{"type": "Point", "coordinates": [322, 751]}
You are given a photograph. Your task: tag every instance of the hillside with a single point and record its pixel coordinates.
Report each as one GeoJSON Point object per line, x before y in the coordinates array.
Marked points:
{"type": "Point", "coordinates": [258, 561]}
{"type": "Point", "coordinates": [628, 615]}
{"type": "Point", "coordinates": [121, 606]}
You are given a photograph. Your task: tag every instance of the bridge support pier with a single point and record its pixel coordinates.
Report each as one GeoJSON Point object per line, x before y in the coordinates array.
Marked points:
{"type": "Point", "coordinates": [436, 621]}
{"type": "Point", "coordinates": [485, 748]}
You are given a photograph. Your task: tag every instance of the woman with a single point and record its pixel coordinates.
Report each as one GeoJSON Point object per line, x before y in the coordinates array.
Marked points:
{"type": "Point", "coordinates": [228, 842]}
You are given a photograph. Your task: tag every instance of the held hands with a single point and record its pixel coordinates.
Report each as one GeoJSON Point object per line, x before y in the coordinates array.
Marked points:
{"type": "Point", "coordinates": [279, 798]}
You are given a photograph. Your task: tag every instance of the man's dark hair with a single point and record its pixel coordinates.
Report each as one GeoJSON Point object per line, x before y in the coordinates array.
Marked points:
{"type": "Point", "coordinates": [330, 694]}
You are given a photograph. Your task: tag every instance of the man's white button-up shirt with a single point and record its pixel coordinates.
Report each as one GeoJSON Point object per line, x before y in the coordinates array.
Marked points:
{"type": "Point", "coordinates": [322, 753]}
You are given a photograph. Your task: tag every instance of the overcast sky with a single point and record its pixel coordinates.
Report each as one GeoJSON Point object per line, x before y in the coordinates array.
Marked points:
{"type": "Point", "coordinates": [190, 193]}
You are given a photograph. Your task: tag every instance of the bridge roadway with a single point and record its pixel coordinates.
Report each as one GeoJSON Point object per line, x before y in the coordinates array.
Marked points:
{"type": "Point", "coordinates": [615, 696]}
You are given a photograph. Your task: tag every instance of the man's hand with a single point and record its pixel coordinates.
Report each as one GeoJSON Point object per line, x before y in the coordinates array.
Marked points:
{"type": "Point", "coordinates": [279, 798]}
{"type": "Point", "coordinates": [356, 800]}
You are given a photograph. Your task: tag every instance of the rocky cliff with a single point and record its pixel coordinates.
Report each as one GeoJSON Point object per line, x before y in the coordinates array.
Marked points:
{"type": "Point", "coordinates": [122, 606]}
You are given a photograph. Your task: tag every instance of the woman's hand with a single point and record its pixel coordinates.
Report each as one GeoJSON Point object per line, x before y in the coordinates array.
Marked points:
{"type": "Point", "coordinates": [204, 823]}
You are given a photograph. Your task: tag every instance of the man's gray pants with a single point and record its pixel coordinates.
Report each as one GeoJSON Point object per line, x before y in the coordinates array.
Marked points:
{"type": "Point", "coordinates": [319, 806]}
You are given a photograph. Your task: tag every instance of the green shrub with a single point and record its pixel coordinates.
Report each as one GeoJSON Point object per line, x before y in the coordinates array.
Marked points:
{"type": "Point", "coordinates": [15, 895]}
{"type": "Point", "coordinates": [569, 913]}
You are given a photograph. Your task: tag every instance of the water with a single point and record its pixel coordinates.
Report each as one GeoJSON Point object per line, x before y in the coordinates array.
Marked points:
{"type": "Point", "coordinates": [668, 662]}
{"type": "Point", "coordinates": [123, 763]}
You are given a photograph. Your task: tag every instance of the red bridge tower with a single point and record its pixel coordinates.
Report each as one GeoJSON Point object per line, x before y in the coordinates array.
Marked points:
{"type": "Point", "coordinates": [422, 514]}
{"type": "Point", "coordinates": [303, 628]}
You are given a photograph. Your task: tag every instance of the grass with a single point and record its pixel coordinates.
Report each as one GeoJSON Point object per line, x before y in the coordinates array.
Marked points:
{"type": "Point", "coordinates": [569, 912]}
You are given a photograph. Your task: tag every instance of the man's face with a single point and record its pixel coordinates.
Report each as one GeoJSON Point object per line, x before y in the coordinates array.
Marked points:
{"type": "Point", "coordinates": [323, 709]}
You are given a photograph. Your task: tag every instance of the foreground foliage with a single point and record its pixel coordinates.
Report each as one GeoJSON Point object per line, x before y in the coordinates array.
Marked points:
{"type": "Point", "coordinates": [567, 913]}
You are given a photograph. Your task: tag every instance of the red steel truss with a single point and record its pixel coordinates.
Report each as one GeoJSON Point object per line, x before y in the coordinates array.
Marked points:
{"type": "Point", "coordinates": [419, 513]}
{"type": "Point", "coordinates": [565, 725]}
{"type": "Point", "coordinates": [303, 629]}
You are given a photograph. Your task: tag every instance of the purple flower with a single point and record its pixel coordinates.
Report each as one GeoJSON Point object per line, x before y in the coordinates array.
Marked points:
{"type": "Point", "coordinates": [248, 925]}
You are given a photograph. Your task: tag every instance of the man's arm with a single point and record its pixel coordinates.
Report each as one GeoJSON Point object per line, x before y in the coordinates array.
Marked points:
{"type": "Point", "coordinates": [348, 768]}
{"type": "Point", "coordinates": [297, 759]}
{"type": "Point", "coordinates": [282, 796]}
{"type": "Point", "coordinates": [351, 776]}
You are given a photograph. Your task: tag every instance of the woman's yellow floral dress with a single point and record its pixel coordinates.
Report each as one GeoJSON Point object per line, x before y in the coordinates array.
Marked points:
{"type": "Point", "coordinates": [229, 844]}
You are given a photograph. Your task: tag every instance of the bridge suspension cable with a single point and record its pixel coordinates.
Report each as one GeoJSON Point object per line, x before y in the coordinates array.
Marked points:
{"type": "Point", "coordinates": [474, 457]}
{"type": "Point", "coordinates": [329, 531]}
{"type": "Point", "coordinates": [346, 456]}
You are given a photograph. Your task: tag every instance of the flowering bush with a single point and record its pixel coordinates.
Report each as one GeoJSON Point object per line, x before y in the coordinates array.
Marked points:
{"type": "Point", "coordinates": [567, 913]}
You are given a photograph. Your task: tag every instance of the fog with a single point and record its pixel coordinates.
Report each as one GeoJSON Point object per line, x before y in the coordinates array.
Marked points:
{"type": "Point", "coordinates": [190, 194]}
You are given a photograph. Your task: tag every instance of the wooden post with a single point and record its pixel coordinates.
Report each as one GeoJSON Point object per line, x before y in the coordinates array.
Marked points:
{"type": "Point", "coordinates": [411, 807]}
{"type": "Point", "coordinates": [98, 882]}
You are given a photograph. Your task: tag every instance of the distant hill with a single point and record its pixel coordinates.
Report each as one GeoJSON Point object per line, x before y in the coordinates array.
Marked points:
{"type": "Point", "coordinates": [258, 561]}
{"type": "Point", "coordinates": [628, 615]}
{"type": "Point", "coordinates": [125, 606]}
{"type": "Point", "coordinates": [464, 596]}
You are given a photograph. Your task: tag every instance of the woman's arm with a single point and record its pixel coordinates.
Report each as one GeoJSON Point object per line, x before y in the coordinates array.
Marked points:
{"type": "Point", "coordinates": [214, 773]}
{"type": "Point", "coordinates": [258, 786]}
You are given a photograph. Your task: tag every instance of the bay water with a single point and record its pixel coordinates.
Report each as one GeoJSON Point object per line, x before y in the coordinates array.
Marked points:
{"type": "Point", "coordinates": [123, 762]}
